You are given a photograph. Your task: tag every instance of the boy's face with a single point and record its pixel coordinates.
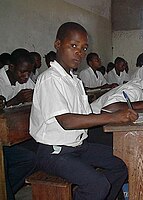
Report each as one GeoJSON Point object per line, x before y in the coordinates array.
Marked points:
{"type": "Point", "coordinates": [22, 72]}
{"type": "Point", "coordinates": [95, 63]}
{"type": "Point", "coordinates": [72, 49]}
{"type": "Point", "coordinates": [120, 66]}
{"type": "Point", "coordinates": [37, 62]}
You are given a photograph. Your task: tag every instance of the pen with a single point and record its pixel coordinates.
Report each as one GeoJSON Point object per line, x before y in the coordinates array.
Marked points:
{"type": "Point", "coordinates": [128, 100]}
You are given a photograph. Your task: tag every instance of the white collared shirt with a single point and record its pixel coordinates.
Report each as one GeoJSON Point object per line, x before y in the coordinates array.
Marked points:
{"type": "Point", "coordinates": [8, 90]}
{"type": "Point", "coordinates": [57, 93]}
{"type": "Point", "coordinates": [112, 77]}
{"type": "Point", "coordinates": [89, 78]}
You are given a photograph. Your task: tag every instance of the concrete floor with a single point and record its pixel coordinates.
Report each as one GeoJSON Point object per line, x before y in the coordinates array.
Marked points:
{"type": "Point", "coordinates": [24, 194]}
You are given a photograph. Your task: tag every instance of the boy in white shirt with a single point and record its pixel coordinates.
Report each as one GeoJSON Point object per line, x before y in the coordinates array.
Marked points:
{"type": "Point", "coordinates": [60, 116]}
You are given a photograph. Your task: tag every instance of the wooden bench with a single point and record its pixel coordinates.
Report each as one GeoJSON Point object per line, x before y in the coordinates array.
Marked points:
{"type": "Point", "coordinates": [47, 187]}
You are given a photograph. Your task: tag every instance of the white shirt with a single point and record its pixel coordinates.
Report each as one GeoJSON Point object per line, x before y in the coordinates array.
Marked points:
{"type": "Point", "coordinates": [57, 93]}
{"type": "Point", "coordinates": [8, 90]}
{"type": "Point", "coordinates": [89, 78]}
{"type": "Point", "coordinates": [138, 74]}
{"type": "Point", "coordinates": [133, 89]}
{"type": "Point", "coordinates": [112, 77]}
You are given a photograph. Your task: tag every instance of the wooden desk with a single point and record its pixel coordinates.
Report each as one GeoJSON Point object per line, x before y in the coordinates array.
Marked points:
{"type": "Point", "coordinates": [14, 128]}
{"type": "Point", "coordinates": [94, 94]}
{"type": "Point", "coordinates": [128, 145]}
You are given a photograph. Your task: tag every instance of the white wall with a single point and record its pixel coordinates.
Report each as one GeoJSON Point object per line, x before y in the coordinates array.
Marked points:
{"type": "Point", "coordinates": [32, 24]}
{"type": "Point", "coordinates": [128, 44]}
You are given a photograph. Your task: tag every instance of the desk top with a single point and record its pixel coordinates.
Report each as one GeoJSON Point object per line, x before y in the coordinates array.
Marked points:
{"type": "Point", "coordinates": [123, 127]}
{"type": "Point", "coordinates": [14, 125]}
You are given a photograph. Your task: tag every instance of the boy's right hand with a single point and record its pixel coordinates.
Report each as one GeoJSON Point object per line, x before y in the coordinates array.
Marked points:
{"type": "Point", "coordinates": [124, 116]}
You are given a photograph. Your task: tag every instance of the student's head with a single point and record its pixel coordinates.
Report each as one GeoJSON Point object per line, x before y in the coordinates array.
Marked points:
{"type": "Point", "coordinates": [93, 61]}
{"type": "Point", "coordinates": [50, 57]}
{"type": "Point", "coordinates": [71, 45]}
{"type": "Point", "coordinates": [139, 62]}
{"type": "Point", "coordinates": [21, 65]}
{"type": "Point", "coordinates": [119, 64]}
{"type": "Point", "coordinates": [36, 58]}
{"type": "Point", "coordinates": [4, 59]}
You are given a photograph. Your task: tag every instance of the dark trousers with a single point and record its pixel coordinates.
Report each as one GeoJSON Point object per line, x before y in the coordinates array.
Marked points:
{"type": "Point", "coordinates": [79, 166]}
{"type": "Point", "coordinates": [20, 161]}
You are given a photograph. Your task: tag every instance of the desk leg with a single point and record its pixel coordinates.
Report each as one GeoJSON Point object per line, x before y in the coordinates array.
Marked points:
{"type": "Point", "coordinates": [129, 147]}
{"type": "Point", "coordinates": [3, 195]}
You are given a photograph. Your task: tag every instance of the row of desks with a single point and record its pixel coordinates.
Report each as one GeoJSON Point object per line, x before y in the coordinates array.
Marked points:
{"type": "Point", "coordinates": [127, 144]}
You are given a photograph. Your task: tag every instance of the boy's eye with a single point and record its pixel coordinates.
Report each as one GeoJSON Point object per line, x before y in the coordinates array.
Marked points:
{"type": "Point", "coordinates": [74, 45]}
{"type": "Point", "coordinates": [85, 49]}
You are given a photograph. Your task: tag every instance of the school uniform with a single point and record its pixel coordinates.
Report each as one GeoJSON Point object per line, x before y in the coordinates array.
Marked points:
{"type": "Point", "coordinates": [8, 90]}
{"type": "Point", "coordinates": [133, 89]}
{"type": "Point", "coordinates": [90, 79]}
{"type": "Point", "coordinates": [112, 77]}
{"type": "Point", "coordinates": [66, 153]}
{"type": "Point", "coordinates": [20, 159]}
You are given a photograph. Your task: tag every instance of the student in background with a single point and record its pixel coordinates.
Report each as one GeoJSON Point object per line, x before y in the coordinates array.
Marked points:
{"type": "Point", "coordinates": [4, 60]}
{"type": "Point", "coordinates": [118, 74]}
{"type": "Point", "coordinates": [15, 84]}
{"type": "Point", "coordinates": [60, 125]}
{"type": "Point", "coordinates": [16, 87]}
{"type": "Point", "coordinates": [37, 64]}
{"type": "Point", "coordinates": [50, 57]}
{"type": "Point", "coordinates": [91, 77]}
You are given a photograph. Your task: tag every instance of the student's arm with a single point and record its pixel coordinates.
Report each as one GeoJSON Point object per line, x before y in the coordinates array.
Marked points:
{"type": "Point", "coordinates": [78, 121]}
{"type": "Point", "coordinates": [25, 95]}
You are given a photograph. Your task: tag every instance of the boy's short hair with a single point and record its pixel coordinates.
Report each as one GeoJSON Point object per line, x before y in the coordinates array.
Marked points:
{"type": "Point", "coordinates": [139, 62]}
{"type": "Point", "coordinates": [119, 60]}
{"type": "Point", "coordinates": [19, 56]}
{"type": "Point", "coordinates": [90, 56]}
{"type": "Point", "coordinates": [51, 55]}
{"type": "Point", "coordinates": [67, 27]}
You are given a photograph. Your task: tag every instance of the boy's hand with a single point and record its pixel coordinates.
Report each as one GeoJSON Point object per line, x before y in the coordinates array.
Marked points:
{"type": "Point", "coordinates": [123, 116]}
{"type": "Point", "coordinates": [25, 95]}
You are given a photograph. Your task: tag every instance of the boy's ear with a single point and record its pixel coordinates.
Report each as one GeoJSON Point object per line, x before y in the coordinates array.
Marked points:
{"type": "Point", "coordinates": [57, 44]}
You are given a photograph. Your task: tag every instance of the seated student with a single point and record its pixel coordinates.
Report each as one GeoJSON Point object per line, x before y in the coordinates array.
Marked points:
{"type": "Point", "coordinates": [16, 87]}
{"type": "Point", "coordinates": [91, 77]}
{"type": "Point", "coordinates": [37, 64]}
{"type": "Point", "coordinates": [133, 88]}
{"type": "Point", "coordinates": [50, 57]}
{"type": "Point", "coordinates": [118, 74]}
{"type": "Point", "coordinates": [4, 60]}
{"type": "Point", "coordinates": [139, 64]}
{"type": "Point", "coordinates": [59, 119]}
{"type": "Point", "coordinates": [15, 84]}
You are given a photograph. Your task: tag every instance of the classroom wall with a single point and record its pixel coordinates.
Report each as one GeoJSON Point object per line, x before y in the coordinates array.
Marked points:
{"type": "Point", "coordinates": [32, 24]}
{"type": "Point", "coordinates": [127, 26]}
